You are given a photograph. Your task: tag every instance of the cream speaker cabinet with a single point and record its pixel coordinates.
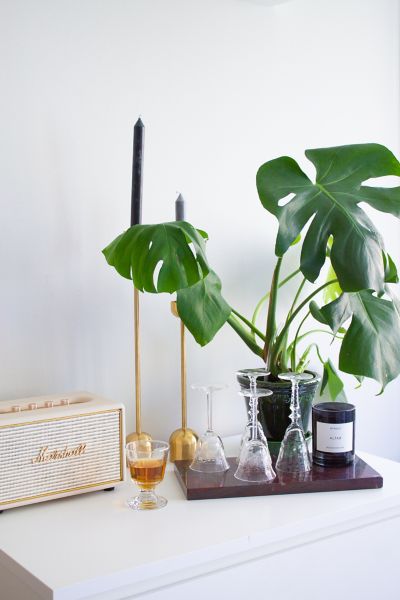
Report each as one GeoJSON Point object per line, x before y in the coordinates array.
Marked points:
{"type": "Point", "coordinates": [59, 445]}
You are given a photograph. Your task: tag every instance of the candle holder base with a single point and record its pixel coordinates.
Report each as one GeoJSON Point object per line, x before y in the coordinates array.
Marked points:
{"type": "Point", "coordinates": [132, 437]}
{"type": "Point", "coordinates": [182, 444]}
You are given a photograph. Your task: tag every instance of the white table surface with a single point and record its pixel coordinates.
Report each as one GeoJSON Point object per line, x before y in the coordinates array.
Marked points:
{"type": "Point", "coordinates": [94, 545]}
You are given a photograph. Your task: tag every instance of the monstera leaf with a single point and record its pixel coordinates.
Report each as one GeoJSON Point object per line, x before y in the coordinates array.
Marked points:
{"type": "Point", "coordinates": [370, 346]}
{"type": "Point", "coordinates": [332, 205]}
{"type": "Point", "coordinates": [391, 275]}
{"type": "Point", "coordinates": [333, 290]}
{"type": "Point", "coordinates": [176, 250]}
{"type": "Point", "coordinates": [332, 384]}
{"type": "Point", "coordinates": [203, 309]}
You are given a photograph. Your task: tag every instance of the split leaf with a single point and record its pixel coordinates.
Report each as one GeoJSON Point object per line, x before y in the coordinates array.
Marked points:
{"type": "Point", "coordinates": [331, 204]}
{"type": "Point", "coordinates": [160, 258]}
{"type": "Point", "coordinates": [370, 345]}
{"type": "Point", "coordinates": [203, 309]}
{"type": "Point", "coordinates": [332, 384]}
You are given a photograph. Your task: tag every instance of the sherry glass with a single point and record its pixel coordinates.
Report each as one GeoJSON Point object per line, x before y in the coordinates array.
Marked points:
{"type": "Point", "coordinates": [210, 455]}
{"type": "Point", "coordinates": [294, 456]}
{"type": "Point", "coordinates": [255, 463]}
{"type": "Point", "coordinates": [147, 460]}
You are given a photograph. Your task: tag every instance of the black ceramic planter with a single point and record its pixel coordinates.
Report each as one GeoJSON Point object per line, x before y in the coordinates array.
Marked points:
{"type": "Point", "coordinates": [274, 410]}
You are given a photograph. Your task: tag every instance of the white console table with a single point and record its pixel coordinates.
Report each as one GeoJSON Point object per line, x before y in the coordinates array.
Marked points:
{"type": "Point", "coordinates": [337, 545]}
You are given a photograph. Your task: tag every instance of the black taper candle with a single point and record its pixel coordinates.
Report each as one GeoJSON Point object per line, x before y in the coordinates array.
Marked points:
{"type": "Point", "coordinates": [137, 172]}
{"type": "Point", "coordinates": [179, 208]}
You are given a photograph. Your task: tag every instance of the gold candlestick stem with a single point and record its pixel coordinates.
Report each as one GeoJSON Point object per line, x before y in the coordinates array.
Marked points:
{"type": "Point", "coordinates": [183, 377]}
{"type": "Point", "coordinates": [138, 394]}
{"type": "Point", "coordinates": [138, 434]}
{"type": "Point", "coordinates": [182, 441]}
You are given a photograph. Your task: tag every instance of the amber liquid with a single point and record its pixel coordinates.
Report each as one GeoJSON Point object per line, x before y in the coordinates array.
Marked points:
{"type": "Point", "coordinates": [147, 472]}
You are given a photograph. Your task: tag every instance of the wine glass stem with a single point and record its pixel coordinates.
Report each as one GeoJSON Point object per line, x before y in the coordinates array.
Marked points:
{"type": "Point", "coordinates": [253, 388]}
{"type": "Point", "coordinates": [147, 497]}
{"type": "Point", "coordinates": [254, 414]}
{"type": "Point", "coordinates": [209, 410]}
{"type": "Point", "coordinates": [253, 383]}
{"type": "Point", "coordinates": [295, 404]}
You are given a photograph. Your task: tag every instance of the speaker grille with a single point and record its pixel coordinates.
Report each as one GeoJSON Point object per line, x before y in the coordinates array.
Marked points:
{"type": "Point", "coordinates": [95, 438]}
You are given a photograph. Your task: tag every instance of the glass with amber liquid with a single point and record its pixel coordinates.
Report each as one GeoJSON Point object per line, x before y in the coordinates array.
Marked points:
{"type": "Point", "coordinates": [147, 460]}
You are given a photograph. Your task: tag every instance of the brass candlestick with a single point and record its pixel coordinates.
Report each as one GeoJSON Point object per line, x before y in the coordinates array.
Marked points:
{"type": "Point", "coordinates": [138, 434]}
{"type": "Point", "coordinates": [182, 441]}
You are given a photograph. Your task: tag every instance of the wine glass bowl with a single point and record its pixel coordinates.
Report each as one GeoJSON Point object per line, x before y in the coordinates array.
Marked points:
{"type": "Point", "coordinates": [254, 461]}
{"type": "Point", "coordinates": [255, 465]}
{"type": "Point", "coordinates": [210, 454]}
{"type": "Point", "coordinates": [147, 460]}
{"type": "Point", "coordinates": [247, 433]}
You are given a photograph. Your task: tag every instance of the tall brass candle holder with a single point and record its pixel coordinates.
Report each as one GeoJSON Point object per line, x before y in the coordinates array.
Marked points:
{"type": "Point", "coordinates": [138, 434]}
{"type": "Point", "coordinates": [182, 441]}
{"type": "Point", "coordinates": [136, 218]}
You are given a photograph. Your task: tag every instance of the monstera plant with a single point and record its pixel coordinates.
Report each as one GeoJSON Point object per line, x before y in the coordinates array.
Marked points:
{"type": "Point", "coordinates": [353, 304]}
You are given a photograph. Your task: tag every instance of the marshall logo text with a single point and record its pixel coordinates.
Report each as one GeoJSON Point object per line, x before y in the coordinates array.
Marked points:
{"type": "Point", "coordinates": [45, 455]}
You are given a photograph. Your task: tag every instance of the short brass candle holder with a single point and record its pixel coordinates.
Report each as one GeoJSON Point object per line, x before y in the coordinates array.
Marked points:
{"type": "Point", "coordinates": [182, 441]}
{"type": "Point", "coordinates": [138, 434]}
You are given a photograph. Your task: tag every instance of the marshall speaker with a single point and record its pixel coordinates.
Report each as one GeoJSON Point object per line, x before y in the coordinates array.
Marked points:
{"type": "Point", "coordinates": [56, 446]}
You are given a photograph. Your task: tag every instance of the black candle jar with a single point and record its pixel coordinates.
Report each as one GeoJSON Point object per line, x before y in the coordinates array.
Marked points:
{"type": "Point", "coordinates": [333, 433]}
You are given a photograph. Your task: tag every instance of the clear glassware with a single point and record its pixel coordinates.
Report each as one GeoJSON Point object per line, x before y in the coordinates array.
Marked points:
{"type": "Point", "coordinates": [294, 456]}
{"type": "Point", "coordinates": [147, 460]}
{"type": "Point", "coordinates": [210, 455]}
{"type": "Point", "coordinates": [252, 375]}
{"type": "Point", "coordinates": [255, 464]}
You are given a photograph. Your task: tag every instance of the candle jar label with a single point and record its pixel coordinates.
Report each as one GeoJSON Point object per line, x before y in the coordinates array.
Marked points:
{"type": "Point", "coordinates": [334, 437]}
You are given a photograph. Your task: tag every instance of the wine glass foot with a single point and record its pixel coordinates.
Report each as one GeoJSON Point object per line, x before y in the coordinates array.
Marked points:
{"type": "Point", "coordinates": [246, 437]}
{"type": "Point", "coordinates": [153, 503]}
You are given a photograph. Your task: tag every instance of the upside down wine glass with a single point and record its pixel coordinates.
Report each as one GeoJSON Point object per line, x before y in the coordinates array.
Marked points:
{"type": "Point", "coordinates": [210, 455]}
{"type": "Point", "coordinates": [255, 463]}
{"type": "Point", "coordinates": [294, 456]}
{"type": "Point", "coordinates": [252, 375]}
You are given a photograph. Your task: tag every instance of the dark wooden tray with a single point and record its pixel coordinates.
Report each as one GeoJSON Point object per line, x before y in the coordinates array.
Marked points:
{"type": "Point", "coordinates": [203, 486]}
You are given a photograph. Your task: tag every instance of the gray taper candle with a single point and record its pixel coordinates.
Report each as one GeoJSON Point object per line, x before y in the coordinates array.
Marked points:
{"type": "Point", "coordinates": [137, 172]}
{"type": "Point", "coordinates": [179, 208]}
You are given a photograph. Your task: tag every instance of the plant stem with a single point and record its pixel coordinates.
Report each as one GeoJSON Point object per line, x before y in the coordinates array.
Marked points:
{"type": "Point", "coordinates": [250, 325]}
{"type": "Point", "coordinates": [290, 319]}
{"type": "Point", "coordinates": [300, 289]}
{"type": "Point", "coordinates": [266, 296]}
{"type": "Point", "coordinates": [293, 353]}
{"type": "Point", "coordinates": [336, 337]}
{"type": "Point", "coordinates": [318, 353]}
{"type": "Point", "coordinates": [271, 317]}
{"type": "Point", "coordinates": [244, 334]}
{"type": "Point", "coordinates": [314, 345]}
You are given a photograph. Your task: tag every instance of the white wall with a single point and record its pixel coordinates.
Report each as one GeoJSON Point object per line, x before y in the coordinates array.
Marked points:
{"type": "Point", "coordinates": [222, 86]}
